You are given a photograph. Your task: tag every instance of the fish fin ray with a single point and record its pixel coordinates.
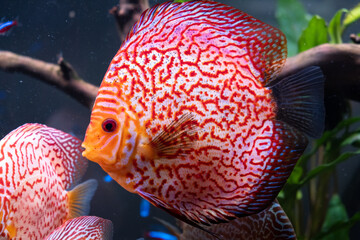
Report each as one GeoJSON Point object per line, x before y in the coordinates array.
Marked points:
{"type": "Point", "coordinates": [177, 138]}
{"type": "Point", "coordinates": [171, 228]}
{"type": "Point", "coordinates": [300, 100]}
{"type": "Point", "coordinates": [176, 213]}
{"type": "Point", "coordinates": [80, 197]}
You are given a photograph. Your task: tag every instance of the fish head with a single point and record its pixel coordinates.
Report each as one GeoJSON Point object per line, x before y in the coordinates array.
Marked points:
{"type": "Point", "coordinates": [112, 137]}
{"type": "Point", "coordinates": [103, 137]}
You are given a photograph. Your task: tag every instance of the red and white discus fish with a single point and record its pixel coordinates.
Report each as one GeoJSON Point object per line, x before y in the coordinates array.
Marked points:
{"type": "Point", "coordinates": [37, 165]}
{"type": "Point", "coordinates": [191, 117]}
{"type": "Point", "coordinates": [86, 227]}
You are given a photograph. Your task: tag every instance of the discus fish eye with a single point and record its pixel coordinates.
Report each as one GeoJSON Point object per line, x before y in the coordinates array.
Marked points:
{"type": "Point", "coordinates": [109, 125]}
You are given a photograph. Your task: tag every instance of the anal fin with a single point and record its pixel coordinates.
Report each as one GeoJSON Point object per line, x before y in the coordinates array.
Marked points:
{"type": "Point", "coordinates": [175, 212]}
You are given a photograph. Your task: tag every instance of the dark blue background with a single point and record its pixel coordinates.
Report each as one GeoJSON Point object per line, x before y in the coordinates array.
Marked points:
{"type": "Point", "coordinates": [89, 41]}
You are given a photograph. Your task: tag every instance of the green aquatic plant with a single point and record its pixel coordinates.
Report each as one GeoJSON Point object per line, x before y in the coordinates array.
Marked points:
{"type": "Point", "coordinates": [313, 183]}
{"type": "Point", "coordinates": [292, 18]}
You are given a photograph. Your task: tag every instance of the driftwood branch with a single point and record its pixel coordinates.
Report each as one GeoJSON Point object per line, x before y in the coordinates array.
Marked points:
{"type": "Point", "coordinates": [355, 38]}
{"type": "Point", "coordinates": [127, 13]}
{"type": "Point", "coordinates": [340, 64]}
{"type": "Point", "coordinates": [60, 75]}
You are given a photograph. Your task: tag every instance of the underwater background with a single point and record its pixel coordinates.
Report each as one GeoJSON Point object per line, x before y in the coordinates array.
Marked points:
{"type": "Point", "coordinates": [85, 34]}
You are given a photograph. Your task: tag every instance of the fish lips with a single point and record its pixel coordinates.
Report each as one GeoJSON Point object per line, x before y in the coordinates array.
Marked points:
{"type": "Point", "coordinates": [95, 155]}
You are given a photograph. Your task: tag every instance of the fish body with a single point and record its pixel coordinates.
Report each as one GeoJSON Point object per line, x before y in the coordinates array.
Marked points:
{"type": "Point", "coordinates": [270, 224]}
{"type": "Point", "coordinates": [85, 227]}
{"type": "Point", "coordinates": [37, 165]}
{"type": "Point", "coordinates": [5, 27]}
{"type": "Point", "coordinates": [191, 117]}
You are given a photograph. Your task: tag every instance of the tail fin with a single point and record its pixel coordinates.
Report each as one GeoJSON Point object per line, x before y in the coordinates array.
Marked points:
{"type": "Point", "coordinates": [80, 197]}
{"type": "Point", "coordinates": [300, 100]}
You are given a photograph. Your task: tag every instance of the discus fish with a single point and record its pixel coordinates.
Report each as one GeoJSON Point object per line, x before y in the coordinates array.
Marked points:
{"type": "Point", "coordinates": [86, 227]}
{"type": "Point", "coordinates": [37, 165]}
{"type": "Point", "coordinates": [191, 116]}
{"type": "Point", "coordinates": [5, 27]}
{"type": "Point", "coordinates": [270, 224]}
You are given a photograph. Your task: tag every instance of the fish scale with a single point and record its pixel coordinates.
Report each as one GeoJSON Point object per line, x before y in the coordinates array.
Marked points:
{"type": "Point", "coordinates": [212, 62]}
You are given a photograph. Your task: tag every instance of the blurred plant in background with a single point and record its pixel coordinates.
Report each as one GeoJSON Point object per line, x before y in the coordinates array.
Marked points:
{"type": "Point", "coordinates": [311, 196]}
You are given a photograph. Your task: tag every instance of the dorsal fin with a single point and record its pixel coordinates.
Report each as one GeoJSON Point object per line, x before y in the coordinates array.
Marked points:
{"type": "Point", "coordinates": [264, 44]}
{"type": "Point", "coordinates": [268, 52]}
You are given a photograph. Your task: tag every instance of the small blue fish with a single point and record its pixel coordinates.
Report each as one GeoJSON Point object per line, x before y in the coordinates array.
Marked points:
{"type": "Point", "coordinates": [155, 235]}
{"type": "Point", "coordinates": [5, 27]}
{"type": "Point", "coordinates": [144, 208]}
{"type": "Point", "coordinates": [107, 178]}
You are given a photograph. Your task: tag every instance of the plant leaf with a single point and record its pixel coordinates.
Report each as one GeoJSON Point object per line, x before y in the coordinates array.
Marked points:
{"type": "Point", "coordinates": [335, 27]}
{"type": "Point", "coordinates": [336, 213]}
{"type": "Point", "coordinates": [339, 225]}
{"type": "Point", "coordinates": [352, 16]}
{"type": "Point", "coordinates": [328, 135]}
{"type": "Point", "coordinates": [314, 35]}
{"type": "Point", "coordinates": [324, 167]}
{"type": "Point", "coordinates": [352, 139]}
{"type": "Point", "coordinates": [292, 19]}
{"type": "Point", "coordinates": [295, 175]}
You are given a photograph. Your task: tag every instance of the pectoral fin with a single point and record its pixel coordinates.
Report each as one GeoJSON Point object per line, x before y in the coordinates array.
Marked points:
{"type": "Point", "coordinates": [80, 197]}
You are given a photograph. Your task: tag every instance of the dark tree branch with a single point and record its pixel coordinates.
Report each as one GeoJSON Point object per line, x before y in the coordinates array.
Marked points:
{"type": "Point", "coordinates": [340, 64]}
{"type": "Point", "coordinates": [127, 13]}
{"type": "Point", "coordinates": [355, 38]}
{"type": "Point", "coordinates": [61, 75]}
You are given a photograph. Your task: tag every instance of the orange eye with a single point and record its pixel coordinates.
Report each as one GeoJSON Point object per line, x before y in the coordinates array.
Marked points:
{"type": "Point", "coordinates": [109, 125]}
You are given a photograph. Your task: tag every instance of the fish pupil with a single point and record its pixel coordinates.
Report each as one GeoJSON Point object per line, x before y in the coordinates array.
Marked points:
{"type": "Point", "coordinates": [109, 125]}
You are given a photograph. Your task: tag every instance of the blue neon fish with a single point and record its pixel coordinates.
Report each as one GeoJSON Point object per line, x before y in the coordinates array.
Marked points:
{"type": "Point", "coordinates": [5, 27]}
{"type": "Point", "coordinates": [144, 208]}
{"type": "Point", "coordinates": [107, 178]}
{"type": "Point", "coordinates": [155, 235]}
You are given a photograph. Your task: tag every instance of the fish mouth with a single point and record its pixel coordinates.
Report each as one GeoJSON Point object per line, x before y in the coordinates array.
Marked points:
{"type": "Point", "coordinates": [95, 155]}
{"type": "Point", "coordinates": [87, 153]}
